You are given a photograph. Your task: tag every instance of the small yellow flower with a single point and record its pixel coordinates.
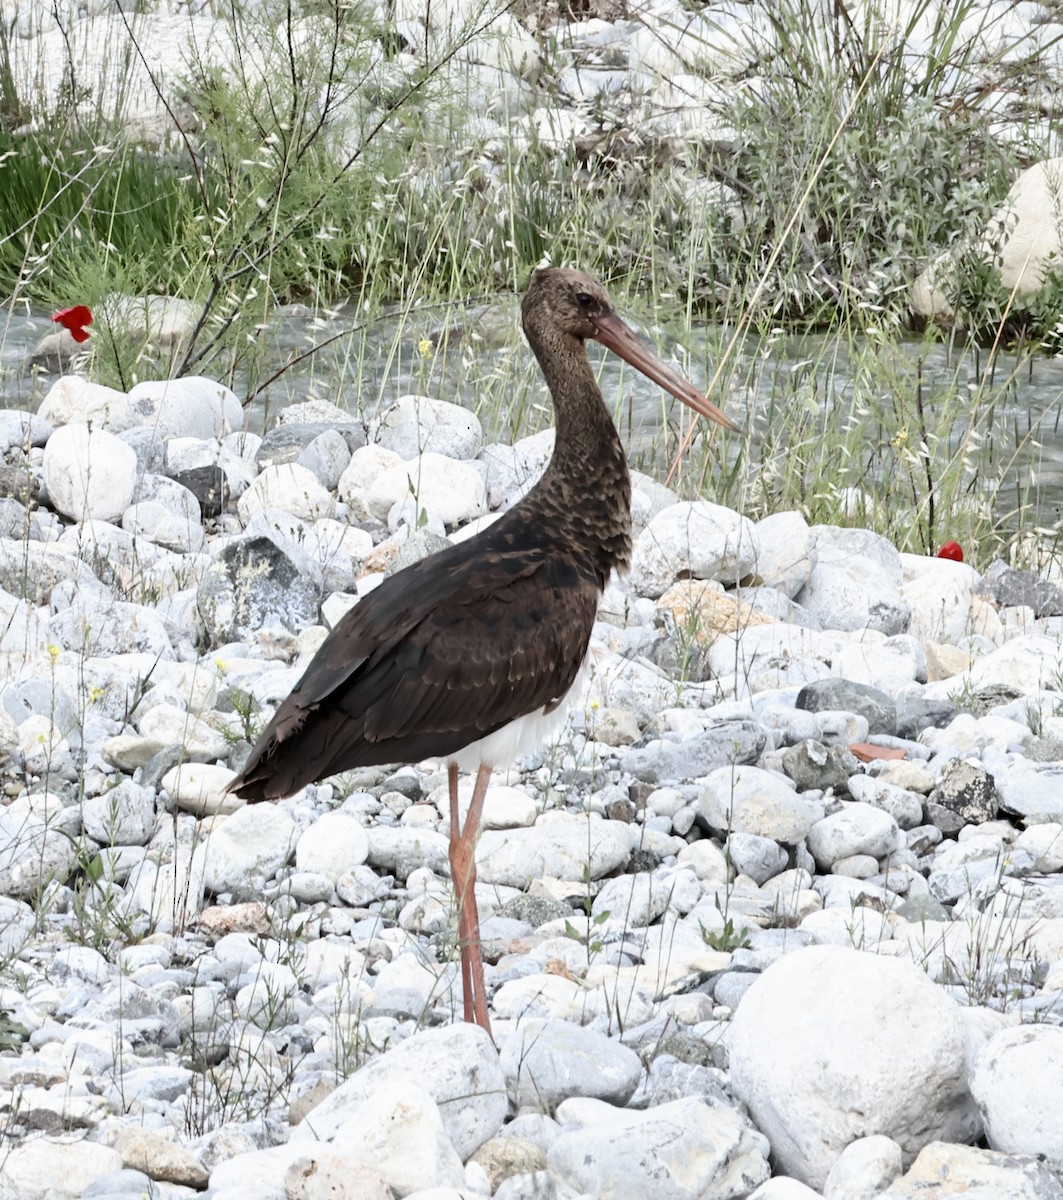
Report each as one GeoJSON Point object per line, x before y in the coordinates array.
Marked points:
{"type": "Point", "coordinates": [424, 347]}
{"type": "Point", "coordinates": [54, 652]}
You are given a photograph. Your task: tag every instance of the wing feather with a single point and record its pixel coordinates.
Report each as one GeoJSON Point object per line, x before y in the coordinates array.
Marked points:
{"type": "Point", "coordinates": [438, 656]}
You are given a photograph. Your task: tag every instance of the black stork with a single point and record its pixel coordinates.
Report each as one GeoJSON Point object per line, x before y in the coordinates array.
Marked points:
{"type": "Point", "coordinates": [470, 655]}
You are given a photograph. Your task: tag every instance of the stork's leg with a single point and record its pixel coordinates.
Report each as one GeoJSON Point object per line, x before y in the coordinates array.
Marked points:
{"type": "Point", "coordinates": [457, 876]}
{"type": "Point", "coordinates": [463, 873]}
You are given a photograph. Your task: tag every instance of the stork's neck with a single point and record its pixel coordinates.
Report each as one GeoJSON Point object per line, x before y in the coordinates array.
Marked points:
{"type": "Point", "coordinates": [585, 492]}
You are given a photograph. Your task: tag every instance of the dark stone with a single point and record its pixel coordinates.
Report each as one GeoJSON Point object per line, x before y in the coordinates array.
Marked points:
{"type": "Point", "coordinates": [917, 909]}
{"type": "Point", "coordinates": [694, 1050]}
{"type": "Point", "coordinates": [914, 714]}
{"type": "Point", "coordinates": [1009, 587]}
{"type": "Point", "coordinates": [254, 583]}
{"type": "Point", "coordinates": [20, 484]}
{"type": "Point", "coordinates": [842, 695]}
{"type": "Point", "coordinates": [284, 443]}
{"type": "Point", "coordinates": [620, 810]}
{"type": "Point", "coordinates": [670, 760]}
{"type": "Point", "coordinates": [407, 781]}
{"type": "Point", "coordinates": [966, 790]}
{"type": "Point", "coordinates": [151, 775]}
{"type": "Point", "coordinates": [949, 822]}
{"type": "Point", "coordinates": [534, 910]}
{"type": "Point", "coordinates": [811, 765]}
{"type": "Point", "coordinates": [208, 485]}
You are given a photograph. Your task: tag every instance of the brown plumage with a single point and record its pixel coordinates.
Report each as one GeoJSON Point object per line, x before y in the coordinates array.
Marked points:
{"type": "Point", "coordinates": [461, 644]}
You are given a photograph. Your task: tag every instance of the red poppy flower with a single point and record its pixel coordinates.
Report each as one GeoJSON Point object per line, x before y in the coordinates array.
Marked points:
{"type": "Point", "coordinates": [951, 550]}
{"type": "Point", "coordinates": [75, 319]}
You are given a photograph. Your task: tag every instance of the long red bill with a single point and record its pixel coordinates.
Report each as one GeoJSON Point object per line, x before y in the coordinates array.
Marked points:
{"type": "Point", "coordinates": [622, 340]}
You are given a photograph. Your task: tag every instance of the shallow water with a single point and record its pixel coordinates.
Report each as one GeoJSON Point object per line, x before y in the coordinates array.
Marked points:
{"type": "Point", "coordinates": [476, 357]}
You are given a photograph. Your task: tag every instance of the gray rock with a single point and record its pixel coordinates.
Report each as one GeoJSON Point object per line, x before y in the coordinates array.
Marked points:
{"type": "Point", "coordinates": [548, 1061]}
{"type": "Point", "coordinates": [288, 439]}
{"type": "Point", "coordinates": [1010, 587]}
{"type": "Point", "coordinates": [677, 759]}
{"type": "Point", "coordinates": [832, 695]}
{"type": "Point", "coordinates": [253, 583]}
{"type": "Point", "coordinates": [668, 1079]}
{"type": "Point", "coordinates": [968, 791]}
{"type": "Point", "coordinates": [327, 456]}
{"type": "Point", "coordinates": [811, 765]}
{"type": "Point", "coordinates": [758, 857]}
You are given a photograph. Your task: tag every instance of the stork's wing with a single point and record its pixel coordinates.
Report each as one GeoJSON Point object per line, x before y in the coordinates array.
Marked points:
{"type": "Point", "coordinates": [439, 655]}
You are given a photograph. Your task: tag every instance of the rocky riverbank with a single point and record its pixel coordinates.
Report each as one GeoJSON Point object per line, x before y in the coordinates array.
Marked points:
{"type": "Point", "coordinates": [786, 897]}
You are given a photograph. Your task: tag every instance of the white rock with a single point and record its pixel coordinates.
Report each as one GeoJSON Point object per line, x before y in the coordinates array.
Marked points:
{"type": "Point", "coordinates": [122, 816]}
{"type": "Point", "coordinates": [452, 490]}
{"type": "Point", "coordinates": [784, 552]}
{"type": "Point", "coordinates": [1018, 1084]}
{"type": "Point", "coordinates": [456, 1065]}
{"type": "Point", "coordinates": [504, 807]}
{"type": "Point", "coordinates": [766, 657]}
{"type": "Point", "coordinates": [291, 488]}
{"type": "Point", "coordinates": [944, 605]}
{"type": "Point", "coordinates": [682, 1150]}
{"type": "Point", "coordinates": [638, 900]}
{"type": "Point", "coordinates": [889, 665]}
{"type": "Point", "coordinates": [830, 1045]}
{"type": "Point", "coordinates": [32, 854]}
{"type": "Point", "coordinates": [749, 800]}
{"type": "Point", "coordinates": [72, 400]}
{"type": "Point", "coordinates": [192, 406]}
{"type": "Point", "coordinates": [562, 845]}
{"type": "Point", "coordinates": [89, 473]}
{"type": "Point", "coordinates": [335, 843]}
{"type": "Point", "coordinates": [546, 1062]}
{"type": "Point", "coordinates": [1045, 843]}
{"type": "Point", "coordinates": [169, 725]}
{"type": "Point", "coordinates": [200, 788]}
{"type": "Point", "coordinates": [864, 1169]}
{"type": "Point", "coordinates": [706, 541]}
{"type": "Point", "coordinates": [1028, 663]}
{"type": "Point", "coordinates": [253, 843]}
{"type": "Point", "coordinates": [855, 582]}
{"type": "Point", "coordinates": [943, 1169]}
{"type": "Point", "coordinates": [47, 1168]}
{"type": "Point", "coordinates": [399, 1132]}
{"type": "Point", "coordinates": [1022, 238]}
{"type": "Point", "coordinates": [413, 425]}
{"type": "Point", "coordinates": [855, 829]}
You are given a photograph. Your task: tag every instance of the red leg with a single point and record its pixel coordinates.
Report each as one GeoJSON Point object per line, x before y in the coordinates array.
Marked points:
{"type": "Point", "coordinates": [463, 872]}
{"type": "Point", "coordinates": [457, 875]}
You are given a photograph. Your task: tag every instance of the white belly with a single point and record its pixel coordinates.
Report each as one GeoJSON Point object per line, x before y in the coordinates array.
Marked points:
{"type": "Point", "coordinates": [519, 737]}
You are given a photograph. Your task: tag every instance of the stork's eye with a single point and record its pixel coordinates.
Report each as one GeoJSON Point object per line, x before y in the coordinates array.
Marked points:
{"type": "Point", "coordinates": [585, 299]}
